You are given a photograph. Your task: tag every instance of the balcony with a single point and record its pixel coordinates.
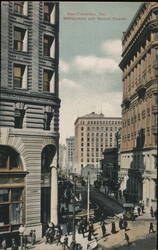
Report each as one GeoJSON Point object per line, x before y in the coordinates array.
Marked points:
{"type": "Point", "coordinates": [126, 103]}
{"type": "Point", "coordinates": [141, 91]}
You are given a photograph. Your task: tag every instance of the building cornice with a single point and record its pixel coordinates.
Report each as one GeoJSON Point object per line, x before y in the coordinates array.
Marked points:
{"type": "Point", "coordinates": [133, 46]}
{"type": "Point", "coordinates": [96, 118]}
{"type": "Point", "coordinates": [134, 150]}
{"type": "Point", "coordinates": [29, 97]}
{"type": "Point", "coordinates": [149, 10]}
{"type": "Point", "coordinates": [143, 88]}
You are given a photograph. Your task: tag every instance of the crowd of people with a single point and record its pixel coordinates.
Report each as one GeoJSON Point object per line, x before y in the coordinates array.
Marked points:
{"type": "Point", "coordinates": [14, 245]}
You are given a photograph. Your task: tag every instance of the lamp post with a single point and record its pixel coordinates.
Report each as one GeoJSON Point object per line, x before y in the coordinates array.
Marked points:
{"type": "Point", "coordinates": [21, 231]}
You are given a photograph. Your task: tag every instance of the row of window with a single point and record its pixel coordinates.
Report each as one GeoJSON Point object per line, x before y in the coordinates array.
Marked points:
{"type": "Point", "coordinates": [91, 160]}
{"type": "Point", "coordinates": [100, 128]}
{"type": "Point", "coordinates": [100, 122]}
{"type": "Point", "coordinates": [97, 138]}
{"type": "Point", "coordinates": [20, 7]}
{"type": "Point", "coordinates": [99, 134]}
{"type": "Point", "coordinates": [19, 118]}
{"type": "Point", "coordinates": [99, 148]}
{"type": "Point", "coordinates": [20, 78]}
{"type": "Point", "coordinates": [92, 154]}
{"type": "Point", "coordinates": [138, 117]}
{"type": "Point", "coordinates": [21, 42]}
{"type": "Point", "coordinates": [133, 135]}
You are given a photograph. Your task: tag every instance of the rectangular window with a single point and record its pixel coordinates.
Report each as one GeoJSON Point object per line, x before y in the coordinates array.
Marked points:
{"type": "Point", "coordinates": [18, 7]}
{"type": "Point", "coordinates": [19, 73]}
{"type": "Point", "coordinates": [19, 36]}
{"type": "Point", "coordinates": [48, 41]}
{"type": "Point", "coordinates": [48, 9]}
{"type": "Point", "coordinates": [4, 195]}
{"type": "Point", "coordinates": [47, 77]}
{"type": "Point", "coordinates": [47, 120]}
{"type": "Point", "coordinates": [19, 116]}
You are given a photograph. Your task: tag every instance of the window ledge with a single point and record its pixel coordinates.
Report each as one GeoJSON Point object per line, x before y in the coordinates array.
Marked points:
{"type": "Point", "coordinates": [20, 15]}
{"type": "Point", "coordinates": [21, 51]}
{"type": "Point", "coordinates": [6, 172]}
{"type": "Point", "coordinates": [49, 23]}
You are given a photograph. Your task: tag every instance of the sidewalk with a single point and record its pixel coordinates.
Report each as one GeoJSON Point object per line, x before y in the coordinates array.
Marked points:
{"type": "Point", "coordinates": [138, 229]}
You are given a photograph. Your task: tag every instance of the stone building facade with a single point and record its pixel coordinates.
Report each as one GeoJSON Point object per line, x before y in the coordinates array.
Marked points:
{"type": "Point", "coordinates": [93, 133]}
{"type": "Point", "coordinates": [139, 65]}
{"type": "Point", "coordinates": [29, 111]}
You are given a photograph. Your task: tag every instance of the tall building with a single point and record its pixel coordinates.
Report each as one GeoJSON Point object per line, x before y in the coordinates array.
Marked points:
{"type": "Point", "coordinates": [29, 108]}
{"type": "Point", "coordinates": [93, 133]}
{"type": "Point", "coordinates": [62, 157]}
{"type": "Point", "coordinates": [139, 65]}
{"type": "Point", "coordinates": [70, 152]}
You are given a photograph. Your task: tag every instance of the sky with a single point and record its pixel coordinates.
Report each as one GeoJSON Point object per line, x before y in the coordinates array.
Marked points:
{"type": "Point", "coordinates": [90, 36]}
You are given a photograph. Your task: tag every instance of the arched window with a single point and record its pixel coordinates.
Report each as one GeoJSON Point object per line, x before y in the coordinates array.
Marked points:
{"type": "Point", "coordinates": [11, 190]}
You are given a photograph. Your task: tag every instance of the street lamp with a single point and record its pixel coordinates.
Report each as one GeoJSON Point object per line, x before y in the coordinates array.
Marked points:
{"type": "Point", "coordinates": [21, 231]}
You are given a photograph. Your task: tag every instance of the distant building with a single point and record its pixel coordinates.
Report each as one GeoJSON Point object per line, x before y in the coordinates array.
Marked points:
{"type": "Point", "coordinates": [70, 151]}
{"type": "Point", "coordinates": [139, 65]}
{"type": "Point", "coordinates": [111, 165]}
{"type": "Point", "coordinates": [93, 134]}
{"type": "Point", "coordinates": [92, 171]}
{"type": "Point", "coordinates": [62, 157]}
{"type": "Point", "coordinates": [29, 111]}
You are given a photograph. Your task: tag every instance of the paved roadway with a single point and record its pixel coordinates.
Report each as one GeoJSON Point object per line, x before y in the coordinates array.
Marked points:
{"type": "Point", "coordinates": [110, 206]}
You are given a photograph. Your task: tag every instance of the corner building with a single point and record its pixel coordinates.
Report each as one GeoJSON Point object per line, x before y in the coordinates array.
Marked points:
{"type": "Point", "coordinates": [93, 134]}
{"type": "Point", "coordinates": [139, 65]}
{"type": "Point", "coordinates": [29, 110]}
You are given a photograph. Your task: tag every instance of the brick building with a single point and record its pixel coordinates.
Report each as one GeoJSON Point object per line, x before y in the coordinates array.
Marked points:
{"type": "Point", "coordinates": [29, 109]}
{"type": "Point", "coordinates": [139, 65]}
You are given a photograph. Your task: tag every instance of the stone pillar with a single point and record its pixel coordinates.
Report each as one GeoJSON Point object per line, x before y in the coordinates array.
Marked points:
{"type": "Point", "coordinates": [54, 195]}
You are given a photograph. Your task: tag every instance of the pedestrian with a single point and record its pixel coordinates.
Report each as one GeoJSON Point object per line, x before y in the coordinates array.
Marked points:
{"type": "Point", "coordinates": [103, 227]}
{"type": "Point", "coordinates": [151, 228]}
{"type": "Point", "coordinates": [138, 211]}
{"type": "Point", "coordinates": [82, 228]}
{"type": "Point", "coordinates": [47, 236]}
{"type": "Point", "coordinates": [68, 226]}
{"type": "Point", "coordinates": [33, 236]}
{"type": "Point", "coordinates": [121, 223]}
{"type": "Point", "coordinates": [66, 242]}
{"type": "Point", "coordinates": [89, 236]}
{"type": "Point", "coordinates": [91, 228]}
{"type": "Point", "coordinates": [25, 241]}
{"type": "Point", "coordinates": [51, 234]}
{"type": "Point", "coordinates": [4, 244]}
{"type": "Point", "coordinates": [151, 212]}
{"type": "Point", "coordinates": [14, 245]}
{"type": "Point", "coordinates": [127, 238]}
{"type": "Point", "coordinates": [125, 225]}
{"type": "Point", "coordinates": [59, 236]}
{"type": "Point", "coordinates": [142, 206]}
{"type": "Point", "coordinates": [113, 228]}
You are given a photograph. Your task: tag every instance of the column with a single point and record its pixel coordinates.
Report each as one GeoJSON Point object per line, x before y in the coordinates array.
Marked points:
{"type": "Point", "coordinates": [54, 195]}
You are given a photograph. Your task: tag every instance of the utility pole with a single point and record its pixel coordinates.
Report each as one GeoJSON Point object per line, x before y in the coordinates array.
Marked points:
{"type": "Point", "coordinates": [74, 231]}
{"type": "Point", "coordinates": [88, 199]}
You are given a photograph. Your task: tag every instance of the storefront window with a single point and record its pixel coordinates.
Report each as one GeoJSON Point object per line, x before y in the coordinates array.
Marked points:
{"type": "Point", "coordinates": [15, 214]}
{"type": "Point", "coordinates": [16, 194]}
{"type": "Point", "coordinates": [4, 195]}
{"type": "Point", "coordinates": [11, 197]}
{"type": "Point", "coordinates": [4, 214]}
